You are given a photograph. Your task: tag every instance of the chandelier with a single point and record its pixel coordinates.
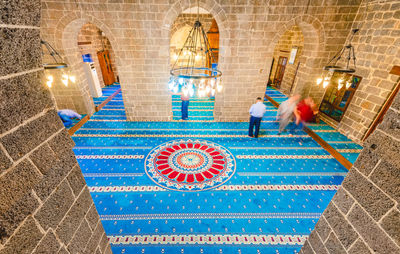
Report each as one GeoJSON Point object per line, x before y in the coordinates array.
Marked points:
{"type": "Point", "coordinates": [347, 56]}
{"type": "Point", "coordinates": [193, 70]}
{"type": "Point", "coordinates": [57, 64]}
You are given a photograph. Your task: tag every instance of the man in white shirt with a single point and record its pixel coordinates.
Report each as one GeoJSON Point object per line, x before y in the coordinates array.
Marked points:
{"type": "Point", "coordinates": [257, 111]}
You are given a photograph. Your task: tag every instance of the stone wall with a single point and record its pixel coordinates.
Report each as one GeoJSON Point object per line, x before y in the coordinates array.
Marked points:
{"type": "Point", "coordinates": [45, 205]}
{"type": "Point", "coordinates": [73, 96]}
{"type": "Point", "coordinates": [139, 33]}
{"type": "Point", "coordinates": [291, 38]}
{"type": "Point", "coordinates": [364, 215]}
{"type": "Point", "coordinates": [377, 47]}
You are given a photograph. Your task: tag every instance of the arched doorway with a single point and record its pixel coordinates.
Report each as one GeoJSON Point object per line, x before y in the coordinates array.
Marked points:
{"type": "Point", "coordinates": [201, 108]}
{"type": "Point", "coordinates": [98, 58]}
{"type": "Point", "coordinates": [73, 39]}
{"type": "Point", "coordinates": [287, 58]}
{"type": "Point", "coordinates": [303, 39]}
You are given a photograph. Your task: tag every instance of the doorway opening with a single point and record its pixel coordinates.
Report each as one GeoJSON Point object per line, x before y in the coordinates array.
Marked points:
{"type": "Point", "coordinates": [98, 58]}
{"type": "Point", "coordinates": [286, 60]}
{"type": "Point", "coordinates": [200, 107]}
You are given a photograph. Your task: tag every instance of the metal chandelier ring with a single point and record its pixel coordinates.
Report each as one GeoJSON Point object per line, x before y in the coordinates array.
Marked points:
{"type": "Point", "coordinates": [195, 73]}
{"type": "Point", "coordinates": [335, 68]}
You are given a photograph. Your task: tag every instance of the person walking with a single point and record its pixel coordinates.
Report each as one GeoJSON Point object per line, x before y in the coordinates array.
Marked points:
{"type": "Point", "coordinates": [286, 111]}
{"type": "Point", "coordinates": [256, 111]}
{"type": "Point", "coordinates": [185, 106]}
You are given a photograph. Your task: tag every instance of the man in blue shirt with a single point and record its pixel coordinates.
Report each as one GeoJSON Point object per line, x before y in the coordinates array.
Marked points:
{"type": "Point", "coordinates": [257, 111]}
{"type": "Point", "coordinates": [185, 106]}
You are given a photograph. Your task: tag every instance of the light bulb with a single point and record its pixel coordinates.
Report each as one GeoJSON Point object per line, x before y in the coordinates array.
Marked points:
{"type": "Point", "coordinates": [212, 83]}
{"type": "Point", "coordinates": [49, 81]}
{"type": "Point", "coordinates": [175, 56]}
{"type": "Point", "coordinates": [212, 92]}
{"type": "Point", "coordinates": [175, 89]}
{"type": "Point", "coordinates": [181, 80]}
{"type": "Point", "coordinates": [208, 89]}
{"type": "Point", "coordinates": [65, 82]}
{"type": "Point", "coordinates": [325, 84]}
{"type": "Point", "coordinates": [340, 84]}
{"type": "Point", "coordinates": [191, 92]}
{"type": "Point", "coordinates": [348, 84]}
{"type": "Point", "coordinates": [219, 88]}
{"type": "Point", "coordinates": [319, 81]}
{"type": "Point", "coordinates": [185, 91]}
{"type": "Point", "coordinates": [65, 76]}
{"type": "Point", "coordinates": [72, 78]}
{"type": "Point", "coordinates": [171, 84]}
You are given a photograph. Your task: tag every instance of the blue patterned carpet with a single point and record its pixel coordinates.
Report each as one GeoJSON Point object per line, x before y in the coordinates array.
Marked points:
{"type": "Point", "coordinates": [204, 187]}
{"type": "Point", "coordinates": [199, 108]}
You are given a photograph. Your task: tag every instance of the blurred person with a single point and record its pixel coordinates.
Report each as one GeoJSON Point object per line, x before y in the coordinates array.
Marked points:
{"type": "Point", "coordinates": [286, 111]}
{"type": "Point", "coordinates": [305, 111]}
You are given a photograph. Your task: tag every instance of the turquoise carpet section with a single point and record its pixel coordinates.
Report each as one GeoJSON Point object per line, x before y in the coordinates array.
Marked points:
{"type": "Point", "coordinates": [75, 121]}
{"type": "Point", "coordinates": [203, 186]}
{"type": "Point", "coordinates": [199, 108]}
{"type": "Point", "coordinates": [345, 146]}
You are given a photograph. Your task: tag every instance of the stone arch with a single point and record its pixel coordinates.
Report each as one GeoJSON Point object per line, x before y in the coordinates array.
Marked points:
{"type": "Point", "coordinates": [179, 26]}
{"type": "Point", "coordinates": [66, 40]}
{"type": "Point", "coordinates": [314, 38]}
{"type": "Point", "coordinates": [220, 16]}
{"type": "Point", "coordinates": [211, 6]}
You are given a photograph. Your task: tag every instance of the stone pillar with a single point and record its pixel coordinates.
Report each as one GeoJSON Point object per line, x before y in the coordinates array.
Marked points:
{"type": "Point", "coordinates": [45, 205]}
{"type": "Point", "coordinates": [364, 215]}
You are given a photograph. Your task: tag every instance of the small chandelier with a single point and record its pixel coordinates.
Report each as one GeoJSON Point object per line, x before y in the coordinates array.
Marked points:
{"type": "Point", "coordinates": [65, 78]}
{"type": "Point", "coordinates": [333, 67]}
{"type": "Point", "coordinates": [58, 64]}
{"type": "Point", "coordinates": [193, 67]}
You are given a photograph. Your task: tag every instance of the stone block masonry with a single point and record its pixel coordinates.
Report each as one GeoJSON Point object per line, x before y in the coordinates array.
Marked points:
{"type": "Point", "coordinates": [45, 205]}
{"type": "Point", "coordinates": [364, 215]}
{"type": "Point", "coordinates": [140, 33]}
{"type": "Point", "coordinates": [377, 47]}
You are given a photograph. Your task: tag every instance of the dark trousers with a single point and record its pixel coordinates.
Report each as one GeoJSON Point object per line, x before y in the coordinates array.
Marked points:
{"type": "Point", "coordinates": [254, 121]}
{"type": "Point", "coordinates": [185, 107]}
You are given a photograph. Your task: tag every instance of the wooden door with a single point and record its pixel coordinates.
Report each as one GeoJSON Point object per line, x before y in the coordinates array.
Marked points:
{"type": "Point", "coordinates": [280, 71]}
{"type": "Point", "coordinates": [106, 67]}
{"type": "Point", "coordinates": [213, 39]}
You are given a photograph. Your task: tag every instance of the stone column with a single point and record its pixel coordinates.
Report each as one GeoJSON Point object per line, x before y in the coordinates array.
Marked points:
{"type": "Point", "coordinates": [364, 215]}
{"type": "Point", "coordinates": [45, 205]}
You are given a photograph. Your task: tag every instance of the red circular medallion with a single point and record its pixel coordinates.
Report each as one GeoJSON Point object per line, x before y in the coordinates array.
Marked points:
{"type": "Point", "coordinates": [188, 165]}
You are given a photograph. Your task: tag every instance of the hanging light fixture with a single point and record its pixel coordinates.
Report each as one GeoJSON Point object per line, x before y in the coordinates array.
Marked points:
{"type": "Point", "coordinates": [193, 69]}
{"type": "Point", "coordinates": [334, 67]}
{"type": "Point", "coordinates": [58, 64]}
{"type": "Point", "coordinates": [65, 78]}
